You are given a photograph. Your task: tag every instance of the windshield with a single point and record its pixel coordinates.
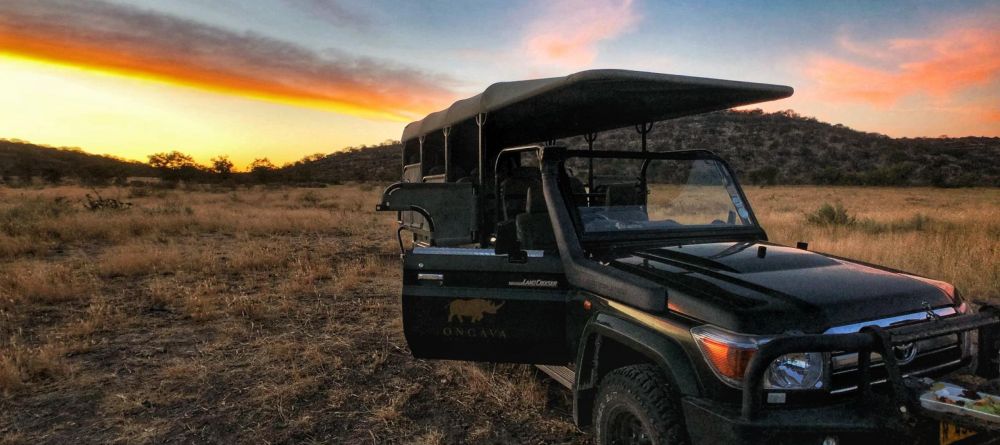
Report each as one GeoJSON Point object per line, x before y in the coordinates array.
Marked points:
{"type": "Point", "coordinates": [624, 195]}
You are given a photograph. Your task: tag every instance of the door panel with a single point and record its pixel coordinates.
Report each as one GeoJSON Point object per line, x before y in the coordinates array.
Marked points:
{"type": "Point", "coordinates": [451, 207]}
{"type": "Point", "coordinates": [470, 304]}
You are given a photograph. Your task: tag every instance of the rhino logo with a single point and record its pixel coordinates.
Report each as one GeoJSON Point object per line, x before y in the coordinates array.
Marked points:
{"type": "Point", "coordinates": [471, 309]}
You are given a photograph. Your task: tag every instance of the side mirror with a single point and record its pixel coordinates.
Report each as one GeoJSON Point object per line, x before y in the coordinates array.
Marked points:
{"type": "Point", "coordinates": [508, 244]}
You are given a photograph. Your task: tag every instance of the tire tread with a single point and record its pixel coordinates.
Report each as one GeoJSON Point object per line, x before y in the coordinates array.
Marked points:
{"type": "Point", "coordinates": [647, 385]}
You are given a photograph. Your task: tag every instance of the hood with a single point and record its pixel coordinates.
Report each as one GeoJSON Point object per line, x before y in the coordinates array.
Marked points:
{"type": "Point", "coordinates": [763, 288]}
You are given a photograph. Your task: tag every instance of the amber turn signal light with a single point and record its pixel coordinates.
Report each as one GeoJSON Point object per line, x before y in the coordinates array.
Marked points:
{"type": "Point", "coordinates": [727, 353]}
{"type": "Point", "coordinates": [730, 361]}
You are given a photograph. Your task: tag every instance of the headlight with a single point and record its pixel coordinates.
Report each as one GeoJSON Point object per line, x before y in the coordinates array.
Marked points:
{"type": "Point", "coordinates": [728, 355]}
{"type": "Point", "coordinates": [801, 370]}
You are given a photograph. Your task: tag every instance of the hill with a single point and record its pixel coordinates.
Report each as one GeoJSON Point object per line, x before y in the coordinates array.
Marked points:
{"type": "Point", "coordinates": [380, 163]}
{"type": "Point", "coordinates": [764, 148]}
{"type": "Point", "coordinates": [26, 160]}
{"type": "Point", "coordinates": [786, 148]}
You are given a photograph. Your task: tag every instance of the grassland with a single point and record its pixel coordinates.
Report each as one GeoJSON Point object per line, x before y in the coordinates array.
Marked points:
{"type": "Point", "coordinates": [271, 315]}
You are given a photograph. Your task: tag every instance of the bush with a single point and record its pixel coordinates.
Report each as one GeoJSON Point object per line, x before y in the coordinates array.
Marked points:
{"type": "Point", "coordinates": [915, 223]}
{"type": "Point", "coordinates": [99, 203]}
{"type": "Point", "coordinates": [311, 199]}
{"type": "Point", "coordinates": [765, 175]}
{"type": "Point", "coordinates": [138, 192]}
{"type": "Point", "coordinates": [831, 215]}
{"type": "Point", "coordinates": [22, 218]}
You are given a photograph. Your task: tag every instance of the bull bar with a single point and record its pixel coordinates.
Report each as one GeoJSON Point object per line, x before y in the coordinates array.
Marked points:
{"type": "Point", "coordinates": [869, 339]}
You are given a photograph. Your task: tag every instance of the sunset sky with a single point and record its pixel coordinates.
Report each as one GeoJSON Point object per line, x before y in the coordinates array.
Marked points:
{"type": "Point", "coordinates": [287, 78]}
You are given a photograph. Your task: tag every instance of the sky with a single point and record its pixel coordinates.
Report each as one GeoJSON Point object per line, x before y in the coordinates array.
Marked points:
{"type": "Point", "coordinates": [288, 78]}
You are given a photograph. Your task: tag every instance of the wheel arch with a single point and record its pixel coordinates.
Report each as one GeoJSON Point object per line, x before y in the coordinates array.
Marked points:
{"type": "Point", "coordinates": [609, 342]}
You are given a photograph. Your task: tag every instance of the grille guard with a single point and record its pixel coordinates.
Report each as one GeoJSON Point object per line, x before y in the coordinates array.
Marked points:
{"type": "Point", "coordinates": [869, 339]}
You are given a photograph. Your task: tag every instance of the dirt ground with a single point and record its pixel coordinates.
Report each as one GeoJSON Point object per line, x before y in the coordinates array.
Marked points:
{"type": "Point", "coordinates": [265, 316]}
{"type": "Point", "coordinates": [272, 315]}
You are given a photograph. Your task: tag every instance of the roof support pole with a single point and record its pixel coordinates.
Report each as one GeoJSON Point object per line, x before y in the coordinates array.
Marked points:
{"type": "Point", "coordinates": [643, 130]}
{"type": "Point", "coordinates": [483, 233]}
{"type": "Point", "coordinates": [421, 139]}
{"type": "Point", "coordinates": [590, 138]}
{"type": "Point", "coordinates": [447, 155]}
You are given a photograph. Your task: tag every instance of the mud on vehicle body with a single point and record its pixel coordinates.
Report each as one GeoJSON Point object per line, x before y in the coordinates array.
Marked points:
{"type": "Point", "coordinates": [643, 282]}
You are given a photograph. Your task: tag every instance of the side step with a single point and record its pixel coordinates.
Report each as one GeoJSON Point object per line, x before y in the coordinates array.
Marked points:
{"type": "Point", "coordinates": [562, 374]}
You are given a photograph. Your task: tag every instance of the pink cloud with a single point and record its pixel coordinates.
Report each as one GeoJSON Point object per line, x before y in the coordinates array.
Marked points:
{"type": "Point", "coordinates": [939, 67]}
{"type": "Point", "coordinates": [568, 31]}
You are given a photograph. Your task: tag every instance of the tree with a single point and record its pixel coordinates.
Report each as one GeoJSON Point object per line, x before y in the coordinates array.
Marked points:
{"type": "Point", "coordinates": [172, 161]}
{"type": "Point", "coordinates": [311, 158]}
{"type": "Point", "coordinates": [25, 169]}
{"type": "Point", "coordinates": [765, 175]}
{"type": "Point", "coordinates": [96, 174]}
{"type": "Point", "coordinates": [174, 166]}
{"type": "Point", "coordinates": [262, 169]}
{"type": "Point", "coordinates": [52, 175]}
{"type": "Point", "coordinates": [222, 166]}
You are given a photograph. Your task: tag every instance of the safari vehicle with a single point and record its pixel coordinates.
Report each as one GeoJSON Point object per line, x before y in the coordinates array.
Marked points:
{"type": "Point", "coordinates": [644, 282]}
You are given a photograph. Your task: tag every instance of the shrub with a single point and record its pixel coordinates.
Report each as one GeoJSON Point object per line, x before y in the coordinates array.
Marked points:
{"type": "Point", "coordinates": [765, 175]}
{"type": "Point", "coordinates": [99, 203]}
{"type": "Point", "coordinates": [23, 218]}
{"type": "Point", "coordinates": [831, 215]}
{"type": "Point", "coordinates": [915, 223]}
{"type": "Point", "coordinates": [310, 198]}
{"type": "Point", "coordinates": [138, 192]}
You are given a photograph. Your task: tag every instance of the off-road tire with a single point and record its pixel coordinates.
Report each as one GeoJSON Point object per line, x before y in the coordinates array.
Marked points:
{"type": "Point", "coordinates": [638, 393]}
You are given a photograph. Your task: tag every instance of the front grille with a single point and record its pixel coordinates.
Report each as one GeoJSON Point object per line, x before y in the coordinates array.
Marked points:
{"type": "Point", "coordinates": [934, 356]}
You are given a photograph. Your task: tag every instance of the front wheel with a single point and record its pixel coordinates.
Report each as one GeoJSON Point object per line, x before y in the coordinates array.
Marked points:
{"type": "Point", "coordinates": [635, 407]}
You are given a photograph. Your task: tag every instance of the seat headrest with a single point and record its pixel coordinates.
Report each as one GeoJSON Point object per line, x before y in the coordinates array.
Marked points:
{"type": "Point", "coordinates": [536, 200]}
{"type": "Point", "coordinates": [526, 173]}
{"type": "Point", "coordinates": [622, 195]}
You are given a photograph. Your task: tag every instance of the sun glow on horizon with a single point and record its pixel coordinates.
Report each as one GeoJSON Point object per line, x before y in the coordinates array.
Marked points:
{"type": "Point", "coordinates": [132, 117]}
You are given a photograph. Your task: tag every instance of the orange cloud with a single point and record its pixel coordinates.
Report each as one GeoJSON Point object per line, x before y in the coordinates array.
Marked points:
{"type": "Point", "coordinates": [114, 38]}
{"type": "Point", "coordinates": [568, 32]}
{"type": "Point", "coordinates": [938, 67]}
{"type": "Point", "coordinates": [992, 115]}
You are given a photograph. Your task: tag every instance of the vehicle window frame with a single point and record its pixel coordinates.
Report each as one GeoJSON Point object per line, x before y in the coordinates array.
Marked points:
{"type": "Point", "coordinates": [753, 229]}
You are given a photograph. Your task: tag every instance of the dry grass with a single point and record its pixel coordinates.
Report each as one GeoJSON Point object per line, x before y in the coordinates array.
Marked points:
{"type": "Point", "coordinates": [99, 317]}
{"type": "Point", "coordinates": [136, 259]}
{"type": "Point", "coordinates": [43, 282]}
{"type": "Point", "coordinates": [271, 315]}
{"type": "Point", "coordinates": [947, 234]}
{"type": "Point", "coordinates": [248, 315]}
{"type": "Point", "coordinates": [21, 364]}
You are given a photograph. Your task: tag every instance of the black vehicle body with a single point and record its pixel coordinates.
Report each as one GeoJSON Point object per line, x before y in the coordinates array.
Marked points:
{"type": "Point", "coordinates": [584, 304]}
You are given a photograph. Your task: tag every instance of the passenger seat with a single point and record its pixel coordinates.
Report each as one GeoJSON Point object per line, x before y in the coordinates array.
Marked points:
{"type": "Point", "coordinates": [625, 202]}
{"type": "Point", "coordinates": [534, 229]}
{"type": "Point", "coordinates": [514, 190]}
{"type": "Point", "coordinates": [579, 191]}
{"type": "Point", "coordinates": [620, 195]}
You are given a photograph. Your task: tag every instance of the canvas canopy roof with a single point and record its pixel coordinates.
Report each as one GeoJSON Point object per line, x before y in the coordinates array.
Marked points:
{"type": "Point", "coordinates": [590, 101]}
